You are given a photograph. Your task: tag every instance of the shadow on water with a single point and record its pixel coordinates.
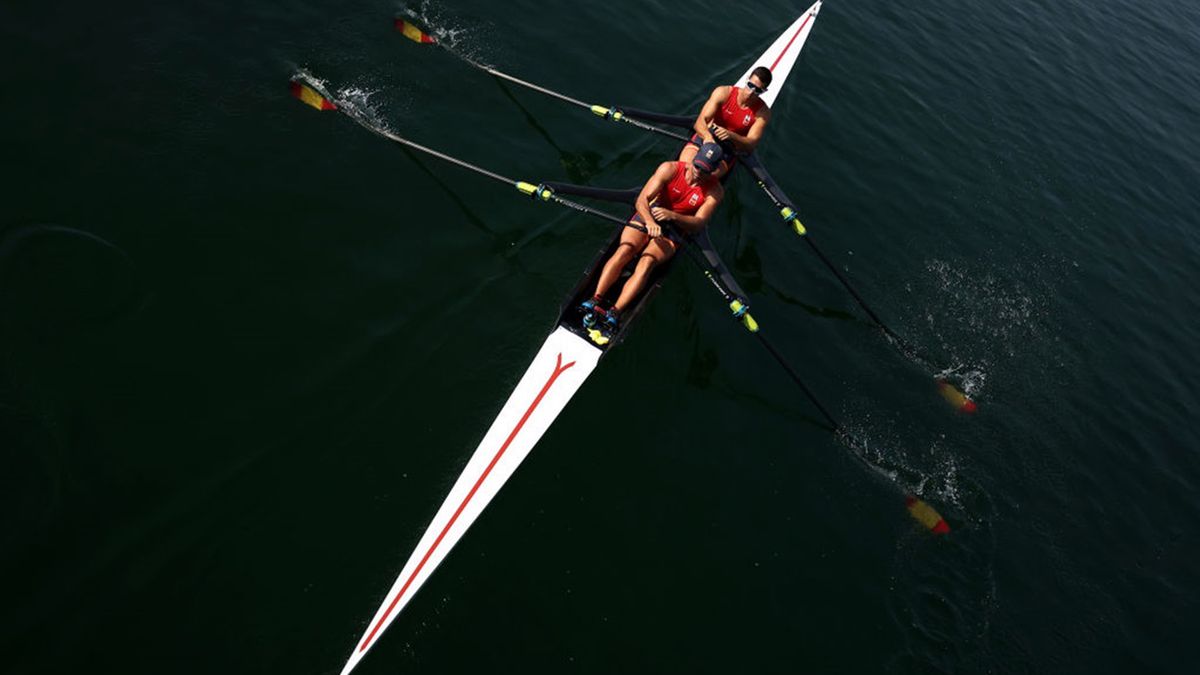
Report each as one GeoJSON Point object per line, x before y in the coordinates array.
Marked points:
{"type": "Point", "coordinates": [31, 484]}
{"type": "Point", "coordinates": [705, 364]}
{"type": "Point", "coordinates": [748, 266]}
{"type": "Point", "coordinates": [55, 280]}
{"type": "Point", "coordinates": [787, 411]}
{"type": "Point", "coordinates": [580, 167]}
{"type": "Point", "coordinates": [470, 215]}
{"type": "Point", "coordinates": [57, 284]}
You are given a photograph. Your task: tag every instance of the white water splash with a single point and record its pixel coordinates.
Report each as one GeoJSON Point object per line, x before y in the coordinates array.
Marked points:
{"type": "Point", "coordinates": [433, 20]}
{"type": "Point", "coordinates": [931, 471]}
{"type": "Point", "coordinates": [983, 319]}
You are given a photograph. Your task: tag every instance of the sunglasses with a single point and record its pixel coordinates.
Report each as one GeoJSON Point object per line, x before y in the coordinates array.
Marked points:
{"type": "Point", "coordinates": [755, 88]}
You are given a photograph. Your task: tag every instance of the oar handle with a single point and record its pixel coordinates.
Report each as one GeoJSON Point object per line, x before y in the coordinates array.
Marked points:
{"type": "Point", "coordinates": [546, 194]}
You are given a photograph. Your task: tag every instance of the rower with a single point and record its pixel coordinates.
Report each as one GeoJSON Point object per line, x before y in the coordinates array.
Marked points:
{"type": "Point", "coordinates": [683, 194]}
{"type": "Point", "coordinates": [734, 117]}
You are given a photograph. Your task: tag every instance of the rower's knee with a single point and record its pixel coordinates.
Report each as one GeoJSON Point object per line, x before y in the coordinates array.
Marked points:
{"type": "Point", "coordinates": [646, 262]}
{"type": "Point", "coordinates": [624, 252]}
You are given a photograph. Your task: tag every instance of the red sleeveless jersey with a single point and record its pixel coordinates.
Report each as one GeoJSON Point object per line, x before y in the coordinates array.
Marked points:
{"type": "Point", "coordinates": [681, 197]}
{"type": "Point", "coordinates": [737, 118]}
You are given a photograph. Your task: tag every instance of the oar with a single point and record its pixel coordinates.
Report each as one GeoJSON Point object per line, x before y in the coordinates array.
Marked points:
{"type": "Point", "coordinates": [614, 113]}
{"type": "Point", "coordinates": [312, 93]}
{"type": "Point", "coordinates": [918, 508]}
{"type": "Point", "coordinates": [787, 209]}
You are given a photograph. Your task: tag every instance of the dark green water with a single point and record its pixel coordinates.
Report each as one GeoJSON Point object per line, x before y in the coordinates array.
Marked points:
{"type": "Point", "coordinates": [246, 348]}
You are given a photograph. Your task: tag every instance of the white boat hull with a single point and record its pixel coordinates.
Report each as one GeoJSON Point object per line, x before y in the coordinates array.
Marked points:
{"type": "Point", "coordinates": [782, 54]}
{"type": "Point", "coordinates": [559, 369]}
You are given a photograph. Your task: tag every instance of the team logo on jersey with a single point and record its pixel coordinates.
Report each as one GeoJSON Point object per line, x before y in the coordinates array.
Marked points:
{"type": "Point", "coordinates": [746, 120]}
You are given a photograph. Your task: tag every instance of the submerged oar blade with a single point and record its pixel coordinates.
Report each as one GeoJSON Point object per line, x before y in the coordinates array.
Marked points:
{"type": "Point", "coordinates": [926, 515]}
{"type": "Point", "coordinates": [956, 398]}
{"type": "Point", "coordinates": [309, 96]}
{"type": "Point", "coordinates": [410, 31]}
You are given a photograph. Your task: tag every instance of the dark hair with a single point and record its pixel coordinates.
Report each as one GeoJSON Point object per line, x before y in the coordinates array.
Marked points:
{"type": "Point", "coordinates": [763, 74]}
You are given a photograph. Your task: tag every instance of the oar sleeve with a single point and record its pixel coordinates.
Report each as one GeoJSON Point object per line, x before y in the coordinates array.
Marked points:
{"type": "Point", "coordinates": [604, 194]}
{"type": "Point", "coordinates": [661, 118]}
{"type": "Point", "coordinates": [705, 246]}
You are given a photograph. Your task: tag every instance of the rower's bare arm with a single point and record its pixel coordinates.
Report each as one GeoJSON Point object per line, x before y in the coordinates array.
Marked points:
{"type": "Point", "coordinates": [748, 142]}
{"type": "Point", "coordinates": [693, 224]}
{"type": "Point", "coordinates": [709, 112]}
{"type": "Point", "coordinates": [755, 134]}
{"type": "Point", "coordinates": [652, 188]}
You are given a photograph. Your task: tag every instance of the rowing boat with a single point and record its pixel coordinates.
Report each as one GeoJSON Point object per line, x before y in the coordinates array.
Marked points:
{"type": "Point", "coordinates": [564, 362]}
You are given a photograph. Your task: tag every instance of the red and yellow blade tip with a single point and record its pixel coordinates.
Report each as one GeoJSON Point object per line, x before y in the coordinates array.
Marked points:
{"type": "Point", "coordinates": [956, 398]}
{"type": "Point", "coordinates": [926, 515]}
{"type": "Point", "coordinates": [309, 96]}
{"type": "Point", "coordinates": [413, 33]}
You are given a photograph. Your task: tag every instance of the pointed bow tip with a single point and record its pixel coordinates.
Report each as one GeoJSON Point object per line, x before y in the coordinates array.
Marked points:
{"type": "Point", "coordinates": [351, 662]}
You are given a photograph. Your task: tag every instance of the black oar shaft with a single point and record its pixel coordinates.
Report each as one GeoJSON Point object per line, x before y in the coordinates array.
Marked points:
{"type": "Point", "coordinates": [846, 284]}
{"type": "Point", "coordinates": [787, 367]}
{"type": "Point", "coordinates": [751, 163]}
{"type": "Point", "coordinates": [787, 207]}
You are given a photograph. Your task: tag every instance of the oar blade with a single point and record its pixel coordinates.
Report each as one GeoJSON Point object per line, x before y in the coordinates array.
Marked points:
{"type": "Point", "coordinates": [309, 96]}
{"type": "Point", "coordinates": [956, 398]}
{"type": "Point", "coordinates": [926, 515]}
{"type": "Point", "coordinates": [409, 30]}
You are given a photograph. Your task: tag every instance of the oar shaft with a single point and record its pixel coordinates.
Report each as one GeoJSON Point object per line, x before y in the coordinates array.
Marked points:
{"type": "Point", "coordinates": [435, 153]}
{"type": "Point", "coordinates": [530, 189]}
{"type": "Point", "coordinates": [613, 113]}
{"type": "Point", "coordinates": [754, 328]}
{"type": "Point", "coordinates": [787, 368]}
{"type": "Point", "coordinates": [529, 85]}
{"type": "Point", "coordinates": [787, 209]}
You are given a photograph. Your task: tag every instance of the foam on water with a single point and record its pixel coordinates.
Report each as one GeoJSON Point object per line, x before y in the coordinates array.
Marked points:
{"type": "Point", "coordinates": [986, 319]}
{"type": "Point", "coordinates": [434, 20]}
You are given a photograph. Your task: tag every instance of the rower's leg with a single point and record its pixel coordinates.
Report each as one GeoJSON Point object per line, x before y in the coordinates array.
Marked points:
{"type": "Point", "coordinates": [657, 252]}
{"type": "Point", "coordinates": [632, 241]}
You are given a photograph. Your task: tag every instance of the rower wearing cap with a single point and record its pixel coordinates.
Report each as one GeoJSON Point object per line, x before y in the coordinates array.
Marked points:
{"type": "Point", "coordinates": [733, 117]}
{"type": "Point", "coordinates": [684, 194]}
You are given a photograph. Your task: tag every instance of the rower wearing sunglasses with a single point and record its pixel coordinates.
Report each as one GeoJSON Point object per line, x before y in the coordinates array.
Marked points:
{"type": "Point", "coordinates": [734, 117]}
{"type": "Point", "coordinates": [683, 194]}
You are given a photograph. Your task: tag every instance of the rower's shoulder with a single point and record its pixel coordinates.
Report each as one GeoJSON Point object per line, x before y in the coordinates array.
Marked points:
{"type": "Point", "coordinates": [722, 92]}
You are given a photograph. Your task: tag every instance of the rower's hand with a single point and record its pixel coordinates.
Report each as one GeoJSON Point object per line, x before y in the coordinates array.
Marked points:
{"type": "Point", "coordinates": [662, 215]}
{"type": "Point", "coordinates": [654, 230]}
{"type": "Point", "coordinates": [721, 133]}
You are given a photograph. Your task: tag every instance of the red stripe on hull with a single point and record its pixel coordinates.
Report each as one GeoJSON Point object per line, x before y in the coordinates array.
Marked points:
{"type": "Point", "coordinates": [559, 369]}
{"type": "Point", "coordinates": [789, 44]}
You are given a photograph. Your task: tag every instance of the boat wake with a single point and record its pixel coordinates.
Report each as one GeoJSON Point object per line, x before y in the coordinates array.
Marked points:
{"type": "Point", "coordinates": [931, 474]}
{"type": "Point", "coordinates": [983, 320]}
{"type": "Point", "coordinates": [434, 21]}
